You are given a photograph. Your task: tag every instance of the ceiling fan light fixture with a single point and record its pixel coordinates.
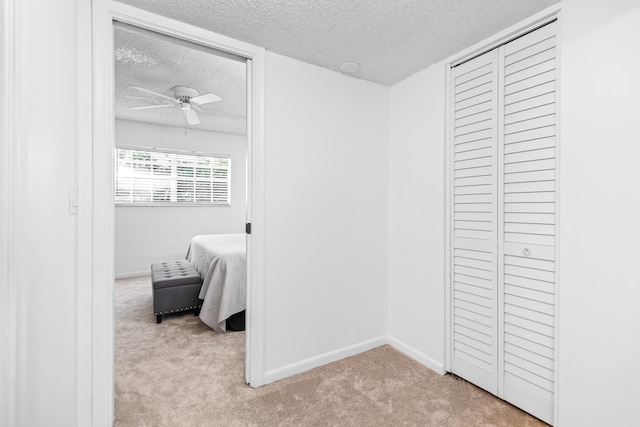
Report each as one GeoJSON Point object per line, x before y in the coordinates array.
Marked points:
{"type": "Point", "coordinates": [350, 67]}
{"type": "Point", "coordinates": [184, 92]}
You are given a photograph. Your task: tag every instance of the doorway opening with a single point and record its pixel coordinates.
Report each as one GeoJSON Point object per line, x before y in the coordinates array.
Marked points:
{"type": "Point", "coordinates": [102, 242]}
{"type": "Point", "coordinates": [180, 188]}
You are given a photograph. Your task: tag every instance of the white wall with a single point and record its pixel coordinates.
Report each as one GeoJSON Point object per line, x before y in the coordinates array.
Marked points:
{"type": "Point", "coordinates": [599, 286]}
{"type": "Point", "coordinates": [43, 235]}
{"type": "Point", "coordinates": [153, 234]}
{"type": "Point", "coordinates": [326, 212]}
{"type": "Point", "coordinates": [416, 216]}
{"type": "Point", "coordinates": [7, 302]}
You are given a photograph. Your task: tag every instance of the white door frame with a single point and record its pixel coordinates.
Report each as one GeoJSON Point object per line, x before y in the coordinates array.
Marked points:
{"type": "Point", "coordinates": [8, 287]}
{"type": "Point", "coordinates": [101, 242]}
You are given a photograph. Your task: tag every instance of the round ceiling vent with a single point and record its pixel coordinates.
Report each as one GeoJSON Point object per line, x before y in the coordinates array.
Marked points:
{"type": "Point", "coordinates": [350, 67]}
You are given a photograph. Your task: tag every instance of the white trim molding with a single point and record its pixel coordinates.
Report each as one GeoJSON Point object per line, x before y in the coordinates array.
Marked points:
{"type": "Point", "coordinates": [255, 365]}
{"type": "Point", "coordinates": [353, 350]}
{"type": "Point", "coordinates": [84, 251]}
{"type": "Point", "coordinates": [448, 167]}
{"type": "Point", "coordinates": [102, 210]}
{"type": "Point", "coordinates": [8, 309]}
{"type": "Point", "coordinates": [145, 273]}
{"type": "Point", "coordinates": [323, 359]}
{"type": "Point", "coordinates": [416, 355]}
{"type": "Point", "coordinates": [556, 373]}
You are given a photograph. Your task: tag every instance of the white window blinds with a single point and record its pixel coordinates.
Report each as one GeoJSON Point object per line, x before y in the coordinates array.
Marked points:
{"type": "Point", "coordinates": [151, 177]}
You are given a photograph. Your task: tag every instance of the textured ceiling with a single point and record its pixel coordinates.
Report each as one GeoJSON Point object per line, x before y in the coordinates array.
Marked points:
{"type": "Point", "coordinates": [158, 63]}
{"type": "Point", "coordinates": [391, 39]}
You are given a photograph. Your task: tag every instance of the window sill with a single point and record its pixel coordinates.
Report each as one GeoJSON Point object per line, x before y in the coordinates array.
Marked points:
{"type": "Point", "coordinates": [168, 205]}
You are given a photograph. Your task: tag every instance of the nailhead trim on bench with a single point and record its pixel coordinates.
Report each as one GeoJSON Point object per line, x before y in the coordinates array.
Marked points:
{"type": "Point", "coordinates": [177, 310]}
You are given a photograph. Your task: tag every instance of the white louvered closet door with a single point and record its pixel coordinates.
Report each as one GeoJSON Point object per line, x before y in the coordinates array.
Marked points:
{"type": "Point", "coordinates": [528, 225]}
{"type": "Point", "coordinates": [504, 223]}
{"type": "Point", "coordinates": [474, 285]}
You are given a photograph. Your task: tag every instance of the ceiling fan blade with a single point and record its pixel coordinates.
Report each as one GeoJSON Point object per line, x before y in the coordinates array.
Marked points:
{"type": "Point", "coordinates": [148, 107]}
{"type": "Point", "coordinates": [207, 98]}
{"type": "Point", "coordinates": [192, 117]}
{"type": "Point", "coordinates": [154, 93]}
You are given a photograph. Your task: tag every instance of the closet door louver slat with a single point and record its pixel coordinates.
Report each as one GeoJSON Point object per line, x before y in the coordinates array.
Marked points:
{"type": "Point", "coordinates": [474, 324]}
{"type": "Point", "coordinates": [528, 230]}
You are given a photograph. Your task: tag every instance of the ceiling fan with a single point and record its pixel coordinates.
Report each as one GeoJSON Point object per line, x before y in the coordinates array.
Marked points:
{"type": "Point", "coordinates": [184, 98]}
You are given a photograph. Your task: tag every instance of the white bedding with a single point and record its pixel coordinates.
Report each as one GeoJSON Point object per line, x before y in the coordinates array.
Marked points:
{"type": "Point", "coordinates": [221, 261]}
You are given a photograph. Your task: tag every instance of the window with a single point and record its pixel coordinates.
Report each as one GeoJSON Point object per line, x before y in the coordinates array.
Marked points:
{"type": "Point", "coordinates": [151, 177]}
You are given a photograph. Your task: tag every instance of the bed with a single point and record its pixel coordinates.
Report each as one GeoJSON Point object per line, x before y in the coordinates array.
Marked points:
{"type": "Point", "coordinates": [221, 260]}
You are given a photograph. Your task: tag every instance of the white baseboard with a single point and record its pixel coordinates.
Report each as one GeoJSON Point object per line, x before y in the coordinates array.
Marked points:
{"type": "Point", "coordinates": [134, 274]}
{"type": "Point", "coordinates": [334, 356]}
{"type": "Point", "coordinates": [416, 355]}
{"type": "Point", "coordinates": [322, 359]}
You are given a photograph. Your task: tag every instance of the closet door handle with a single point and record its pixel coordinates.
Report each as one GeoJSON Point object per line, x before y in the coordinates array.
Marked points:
{"type": "Point", "coordinates": [526, 252]}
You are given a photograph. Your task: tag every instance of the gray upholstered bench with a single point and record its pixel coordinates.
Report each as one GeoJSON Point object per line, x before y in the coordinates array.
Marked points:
{"type": "Point", "coordinates": [176, 285]}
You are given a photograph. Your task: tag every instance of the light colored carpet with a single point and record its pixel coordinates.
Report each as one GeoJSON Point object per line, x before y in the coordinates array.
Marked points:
{"type": "Point", "coordinates": [181, 373]}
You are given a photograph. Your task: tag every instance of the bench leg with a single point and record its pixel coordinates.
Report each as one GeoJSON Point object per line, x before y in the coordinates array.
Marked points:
{"type": "Point", "coordinates": [196, 312]}
{"type": "Point", "coordinates": [158, 318]}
